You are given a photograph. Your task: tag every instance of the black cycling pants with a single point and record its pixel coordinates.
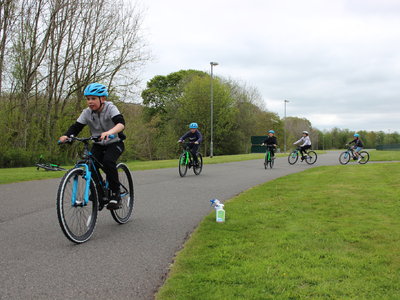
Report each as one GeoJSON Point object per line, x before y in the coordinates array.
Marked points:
{"type": "Point", "coordinates": [272, 150]}
{"type": "Point", "coordinates": [108, 156]}
{"type": "Point", "coordinates": [303, 149]}
{"type": "Point", "coordinates": [194, 148]}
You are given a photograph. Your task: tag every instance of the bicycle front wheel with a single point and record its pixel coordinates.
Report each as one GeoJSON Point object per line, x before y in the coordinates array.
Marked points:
{"type": "Point", "coordinates": [364, 157]}
{"type": "Point", "coordinates": [182, 165]}
{"type": "Point", "coordinates": [344, 158]}
{"type": "Point", "coordinates": [266, 161]}
{"type": "Point", "coordinates": [311, 157]}
{"type": "Point", "coordinates": [123, 214]}
{"type": "Point", "coordinates": [197, 169]}
{"type": "Point", "coordinates": [77, 219]}
{"type": "Point", "coordinates": [271, 162]}
{"type": "Point", "coordinates": [293, 157]}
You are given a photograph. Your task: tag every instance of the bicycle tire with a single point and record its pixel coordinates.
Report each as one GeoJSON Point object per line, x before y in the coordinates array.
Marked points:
{"type": "Point", "coordinates": [266, 161]}
{"type": "Point", "coordinates": [364, 157]}
{"type": "Point", "coordinates": [344, 158]}
{"type": "Point", "coordinates": [311, 157]}
{"type": "Point", "coordinates": [49, 167]}
{"type": "Point", "coordinates": [293, 157]}
{"type": "Point", "coordinates": [123, 214]}
{"type": "Point", "coordinates": [197, 170]}
{"type": "Point", "coordinates": [271, 162]}
{"type": "Point", "coordinates": [77, 222]}
{"type": "Point", "coordinates": [182, 166]}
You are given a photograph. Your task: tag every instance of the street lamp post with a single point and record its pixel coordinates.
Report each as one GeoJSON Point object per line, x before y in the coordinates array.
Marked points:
{"type": "Point", "coordinates": [284, 127]}
{"type": "Point", "coordinates": [212, 110]}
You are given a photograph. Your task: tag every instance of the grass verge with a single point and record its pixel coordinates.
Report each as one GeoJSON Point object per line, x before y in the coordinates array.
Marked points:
{"type": "Point", "coordinates": [376, 155]}
{"type": "Point", "coordinates": [10, 175]}
{"type": "Point", "coordinates": [326, 233]}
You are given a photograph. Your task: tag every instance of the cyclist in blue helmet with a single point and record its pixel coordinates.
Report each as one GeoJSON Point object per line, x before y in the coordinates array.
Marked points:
{"type": "Point", "coordinates": [271, 142]}
{"type": "Point", "coordinates": [358, 146]}
{"type": "Point", "coordinates": [195, 138]}
{"type": "Point", "coordinates": [104, 119]}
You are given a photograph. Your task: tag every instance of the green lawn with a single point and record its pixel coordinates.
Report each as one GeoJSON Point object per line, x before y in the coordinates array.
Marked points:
{"type": "Point", "coordinates": [384, 155]}
{"type": "Point", "coordinates": [326, 233]}
{"type": "Point", "coordinates": [9, 175]}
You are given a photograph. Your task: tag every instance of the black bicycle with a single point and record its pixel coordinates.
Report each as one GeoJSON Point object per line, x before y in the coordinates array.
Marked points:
{"type": "Point", "coordinates": [48, 166]}
{"type": "Point", "coordinates": [186, 161]}
{"type": "Point", "coordinates": [83, 192]}
{"type": "Point", "coordinates": [310, 157]}
{"type": "Point", "coordinates": [269, 159]}
{"type": "Point", "coordinates": [345, 156]}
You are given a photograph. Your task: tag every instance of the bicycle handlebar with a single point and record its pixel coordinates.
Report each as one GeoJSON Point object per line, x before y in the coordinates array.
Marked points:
{"type": "Point", "coordinates": [92, 138]}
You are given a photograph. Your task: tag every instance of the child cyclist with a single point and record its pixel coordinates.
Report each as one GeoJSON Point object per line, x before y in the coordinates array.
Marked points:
{"type": "Point", "coordinates": [270, 142]}
{"type": "Point", "coordinates": [306, 144]}
{"type": "Point", "coordinates": [103, 119]}
{"type": "Point", "coordinates": [195, 138]}
{"type": "Point", "coordinates": [358, 146]}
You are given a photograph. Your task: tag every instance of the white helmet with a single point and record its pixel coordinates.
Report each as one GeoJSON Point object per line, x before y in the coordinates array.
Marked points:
{"type": "Point", "coordinates": [306, 132]}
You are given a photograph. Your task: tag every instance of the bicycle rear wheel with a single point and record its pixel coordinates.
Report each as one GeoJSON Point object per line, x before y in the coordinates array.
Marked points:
{"type": "Point", "coordinates": [271, 162]}
{"type": "Point", "coordinates": [364, 157]}
{"type": "Point", "coordinates": [344, 158]}
{"type": "Point", "coordinates": [123, 214]}
{"type": "Point", "coordinates": [197, 169]}
{"type": "Point", "coordinates": [182, 165]}
{"type": "Point", "coordinates": [76, 219]}
{"type": "Point", "coordinates": [311, 157]}
{"type": "Point", "coordinates": [293, 157]}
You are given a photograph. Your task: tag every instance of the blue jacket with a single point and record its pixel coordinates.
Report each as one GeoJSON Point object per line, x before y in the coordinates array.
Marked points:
{"type": "Point", "coordinates": [193, 137]}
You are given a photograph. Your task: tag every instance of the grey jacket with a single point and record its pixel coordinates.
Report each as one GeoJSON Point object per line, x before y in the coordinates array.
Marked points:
{"type": "Point", "coordinates": [100, 122]}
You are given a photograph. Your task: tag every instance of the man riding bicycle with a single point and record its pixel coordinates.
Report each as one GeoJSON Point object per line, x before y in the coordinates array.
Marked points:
{"type": "Point", "coordinates": [270, 142]}
{"type": "Point", "coordinates": [195, 138]}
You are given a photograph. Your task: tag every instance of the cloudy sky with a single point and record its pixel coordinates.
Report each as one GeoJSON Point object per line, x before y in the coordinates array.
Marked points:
{"type": "Point", "coordinates": [337, 62]}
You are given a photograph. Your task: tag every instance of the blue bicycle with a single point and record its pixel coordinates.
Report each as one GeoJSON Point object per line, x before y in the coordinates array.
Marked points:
{"type": "Point", "coordinates": [83, 192]}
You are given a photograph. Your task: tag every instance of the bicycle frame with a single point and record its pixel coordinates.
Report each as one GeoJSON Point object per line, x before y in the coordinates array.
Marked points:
{"type": "Point", "coordinates": [188, 155]}
{"type": "Point", "coordinates": [88, 164]}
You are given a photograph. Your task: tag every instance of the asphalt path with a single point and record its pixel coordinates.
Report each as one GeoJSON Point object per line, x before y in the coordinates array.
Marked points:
{"type": "Point", "coordinates": [127, 261]}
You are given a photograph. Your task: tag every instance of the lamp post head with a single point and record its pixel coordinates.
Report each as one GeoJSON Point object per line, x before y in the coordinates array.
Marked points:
{"type": "Point", "coordinates": [213, 63]}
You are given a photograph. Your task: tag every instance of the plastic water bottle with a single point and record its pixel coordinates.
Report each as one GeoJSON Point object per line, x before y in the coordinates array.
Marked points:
{"type": "Point", "coordinates": [219, 210]}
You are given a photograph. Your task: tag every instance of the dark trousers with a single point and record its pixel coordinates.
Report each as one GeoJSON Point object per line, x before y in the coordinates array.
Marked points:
{"type": "Point", "coordinates": [272, 150]}
{"type": "Point", "coordinates": [304, 149]}
{"type": "Point", "coordinates": [194, 148]}
{"type": "Point", "coordinates": [108, 156]}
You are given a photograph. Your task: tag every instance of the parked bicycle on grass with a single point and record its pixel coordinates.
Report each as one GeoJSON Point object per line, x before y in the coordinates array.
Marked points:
{"type": "Point", "coordinates": [83, 192]}
{"type": "Point", "coordinates": [48, 166]}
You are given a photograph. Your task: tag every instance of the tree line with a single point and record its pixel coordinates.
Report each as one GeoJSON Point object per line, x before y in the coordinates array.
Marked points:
{"type": "Point", "coordinates": [51, 49]}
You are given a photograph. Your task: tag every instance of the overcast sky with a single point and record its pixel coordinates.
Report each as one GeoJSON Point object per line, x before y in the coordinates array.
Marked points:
{"type": "Point", "coordinates": [337, 62]}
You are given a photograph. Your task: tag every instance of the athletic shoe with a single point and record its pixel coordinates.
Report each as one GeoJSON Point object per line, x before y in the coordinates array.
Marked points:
{"type": "Point", "coordinates": [115, 201]}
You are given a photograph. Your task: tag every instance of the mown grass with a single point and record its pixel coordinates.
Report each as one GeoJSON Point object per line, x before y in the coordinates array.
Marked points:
{"type": "Point", "coordinates": [384, 155]}
{"type": "Point", "coordinates": [10, 175]}
{"type": "Point", "coordinates": [326, 233]}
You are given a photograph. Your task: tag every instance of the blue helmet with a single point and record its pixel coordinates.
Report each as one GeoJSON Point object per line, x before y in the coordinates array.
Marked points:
{"type": "Point", "coordinates": [193, 126]}
{"type": "Point", "coordinates": [356, 135]}
{"type": "Point", "coordinates": [271, 131]}
{"type": "Point", "coordinates": [96, 89]}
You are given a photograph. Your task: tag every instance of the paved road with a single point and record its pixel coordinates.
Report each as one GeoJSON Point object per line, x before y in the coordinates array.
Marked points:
{"type": "Point", "coordinates": [120, 261]}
